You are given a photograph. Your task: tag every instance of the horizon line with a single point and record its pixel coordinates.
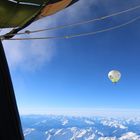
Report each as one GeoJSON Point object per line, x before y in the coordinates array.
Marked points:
{"type": "Point", "coordinates": [82, 111]}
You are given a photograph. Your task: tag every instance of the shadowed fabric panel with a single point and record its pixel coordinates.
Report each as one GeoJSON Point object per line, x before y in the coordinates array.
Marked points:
{"type": "Point", "coordinates": [14, 14]}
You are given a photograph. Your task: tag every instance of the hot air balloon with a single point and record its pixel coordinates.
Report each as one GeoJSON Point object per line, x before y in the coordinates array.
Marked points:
{"type": "Point", "coordinates": [114, 76]}
{"type": "Point", "coordinates": [18, 14]}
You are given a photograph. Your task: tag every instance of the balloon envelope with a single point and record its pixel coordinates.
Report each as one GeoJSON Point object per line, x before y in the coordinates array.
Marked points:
{"type": "Point", "coordinates": [114, 76]}
{"type": "Point", "coordinates": [16, 13]}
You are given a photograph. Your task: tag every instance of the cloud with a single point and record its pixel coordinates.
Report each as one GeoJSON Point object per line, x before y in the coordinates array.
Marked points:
{"type": "Point", "coordinates": [28, 55]}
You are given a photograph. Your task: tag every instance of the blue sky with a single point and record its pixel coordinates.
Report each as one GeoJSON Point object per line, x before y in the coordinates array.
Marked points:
{"type": "Point", "coordinates": [61, 75]}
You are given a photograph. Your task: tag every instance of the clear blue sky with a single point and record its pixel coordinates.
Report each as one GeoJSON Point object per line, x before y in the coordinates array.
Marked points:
{"type": "Point", "coordinates": [73, 73]}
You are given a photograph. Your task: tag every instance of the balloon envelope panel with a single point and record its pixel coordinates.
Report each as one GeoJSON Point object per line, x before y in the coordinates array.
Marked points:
{"type": "Point", "coordinates": [16, 13]}
{"type": "Point", "coordinates": [13, 15]}
{"type": "Point", "coordinates": [54, 8]}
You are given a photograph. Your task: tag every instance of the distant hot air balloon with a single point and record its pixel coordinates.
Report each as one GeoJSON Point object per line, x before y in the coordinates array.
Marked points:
{"type": "Point", "coordinates": [114, 76]}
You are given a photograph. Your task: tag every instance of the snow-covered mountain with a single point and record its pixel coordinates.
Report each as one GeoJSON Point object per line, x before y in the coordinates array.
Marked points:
{"type": "Point", "coordinates": [49, 127]}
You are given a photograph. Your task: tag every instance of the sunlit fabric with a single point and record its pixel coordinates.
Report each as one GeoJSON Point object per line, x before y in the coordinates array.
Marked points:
{"type": "Point", "coordinates": [53, 8]}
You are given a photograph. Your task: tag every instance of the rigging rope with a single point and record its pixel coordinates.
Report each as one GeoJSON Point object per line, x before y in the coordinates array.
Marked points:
{"type": "Point", "coordinates": [79, 23]}
{"type": "Point", "coordinates": [81, 34]}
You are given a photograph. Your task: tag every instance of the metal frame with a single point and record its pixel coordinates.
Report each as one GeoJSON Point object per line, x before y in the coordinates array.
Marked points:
{"type": "Point", "coordinates": [10, 125]}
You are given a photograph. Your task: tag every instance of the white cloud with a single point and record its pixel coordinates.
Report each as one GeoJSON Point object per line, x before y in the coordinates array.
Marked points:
{"type": "Point", "coordinates": [28, 55]}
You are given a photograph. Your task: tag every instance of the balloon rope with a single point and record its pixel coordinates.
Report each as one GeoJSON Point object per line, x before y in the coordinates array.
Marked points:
{"type": "Point", "coordinates": [80, 34]}
{"type": "Point", "coordinates": [80, 23]}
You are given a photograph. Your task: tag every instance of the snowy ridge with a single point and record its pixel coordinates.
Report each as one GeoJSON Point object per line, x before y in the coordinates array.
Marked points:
{"type": "Point", "coordinates": [28, 131]}
{"type": "Point", "coordinates": [78, 128]}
